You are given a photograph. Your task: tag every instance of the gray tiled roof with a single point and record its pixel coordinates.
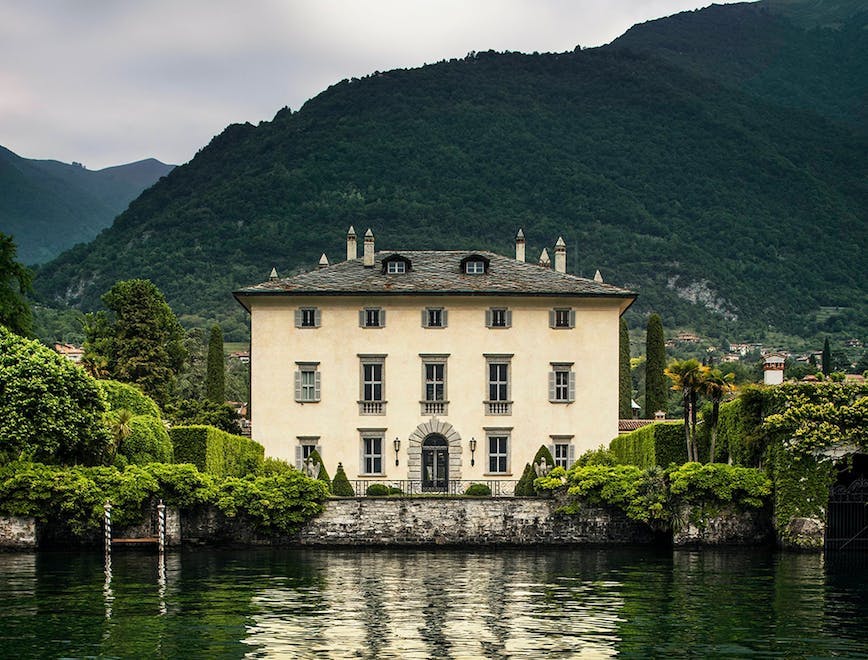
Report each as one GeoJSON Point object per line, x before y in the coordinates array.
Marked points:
{"type": "Point", "coordinates": [436, 272]}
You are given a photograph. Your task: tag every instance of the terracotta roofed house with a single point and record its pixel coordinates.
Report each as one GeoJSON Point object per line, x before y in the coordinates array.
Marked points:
{"type": "Point", "coordinates": [433, 367]}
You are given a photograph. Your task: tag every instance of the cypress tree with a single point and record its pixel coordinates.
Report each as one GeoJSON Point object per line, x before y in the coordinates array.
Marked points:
{"type": "Point", "coordinates": [827, 358]}
{"type": "Point", "coordinates": [341, 486]}
{"type": "Point", "coordinates": [524, 487]}
{"type": "Point", "coordinates": [625, 384]}
{"type": "Point", "coordinates": [655, 363]}
{"type": "Point", "coordinates": [543, 453]}
{"type": "Point", "coordinates": [215, 375]}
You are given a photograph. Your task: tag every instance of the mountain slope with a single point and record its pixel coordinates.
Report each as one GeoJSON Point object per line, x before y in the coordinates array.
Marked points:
{"type": "Point", "coordinates": [50, 206]}
{"type": "Point", "coordinates": [722, 210]}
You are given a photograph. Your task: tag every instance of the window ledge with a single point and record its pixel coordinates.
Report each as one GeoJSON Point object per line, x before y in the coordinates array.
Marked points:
{"type": "Point", "coordinates": [378, 475]}
{"type": "Point", "coordinates": [497, 474]}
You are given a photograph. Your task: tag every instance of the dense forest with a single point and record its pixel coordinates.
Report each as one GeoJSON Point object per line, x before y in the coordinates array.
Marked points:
{"type": "Point", "coordinates": [50, 206]}
{"type": "Point", "coordinates": [729, 209]}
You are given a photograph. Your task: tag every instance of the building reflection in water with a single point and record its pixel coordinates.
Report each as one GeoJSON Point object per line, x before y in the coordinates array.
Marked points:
{"type": "Point", "coordinates": [425, 604]}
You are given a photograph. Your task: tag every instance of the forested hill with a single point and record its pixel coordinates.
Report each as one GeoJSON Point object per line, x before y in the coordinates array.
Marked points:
{"type": "Point", "coordinates": [49, 206]}
{"type": "Point", "coordinates": [719, 207]}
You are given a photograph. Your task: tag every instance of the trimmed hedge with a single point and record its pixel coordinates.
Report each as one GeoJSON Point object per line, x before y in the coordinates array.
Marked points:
{"type": "Point", "coordinates": [660, 444]}
{"type": "Point", "coordinates": [478, 490]}
{"type": "Point", "coordinates": [123, 395]}
{"type": "Point", "coordinates": [341, 486]}
{"type": "Point", "coordinates": [148, 442]}
{"type": "Point", "coordinates": [216, 452]}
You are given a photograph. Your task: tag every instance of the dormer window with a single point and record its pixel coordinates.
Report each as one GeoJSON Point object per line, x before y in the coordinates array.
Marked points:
{"type": "Point", "coordinates": [395, 267]}
{"type": "Point", "coordinates": [474, 264]}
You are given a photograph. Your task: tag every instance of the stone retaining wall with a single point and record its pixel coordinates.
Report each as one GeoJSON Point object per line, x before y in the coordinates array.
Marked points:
{"type": "Point", "coordinates": [17, 533]}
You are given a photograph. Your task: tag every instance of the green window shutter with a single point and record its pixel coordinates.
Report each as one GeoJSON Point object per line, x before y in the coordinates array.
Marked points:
{"type": "Point", "coordinates": [297, 385]}
{"type": "Point", "coordinates": [552, 376]}
{"type": "Point", "coordinates": [298, 318]}
{"type": "Point", "coordinates": [317, 379]}
{"type": "Point", "coordinates": [552, 314]}
{"type": "Point", "coordinates": [571, 396]}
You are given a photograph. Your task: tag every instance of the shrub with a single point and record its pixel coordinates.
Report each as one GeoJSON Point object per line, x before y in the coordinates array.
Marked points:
{"type": "Point", "coordinates": [130, 397]}
{"type": "Point", "coordinates": [148, 442]}
{"type": "Point", "coordinates": [478, 490]}
{"type": "Point", "coordinates": [660, 444]}
{"type": "Point", "coordinates": [394, 490]}
{"type": "Point", "coordinates": [719, 483]}
{"type": "Point", "coordinates": [377, 490]}
{"type": "Point", "coordinates": [599, 456]}
{"type": "Point", "coordinates": [524, 487]}
{"type": "Point", "coordinates": [323, 475]}
{"type": "Point", "coordinates": [216, 452]}
{"type": "Point", "coordinates": [543, 453]}
{"type": "Point", "coordinates": [272, 466]}
{"type": "Point", "coordinates": [50, 409]}
{"type": "Point", "coordinates": [341, 486]}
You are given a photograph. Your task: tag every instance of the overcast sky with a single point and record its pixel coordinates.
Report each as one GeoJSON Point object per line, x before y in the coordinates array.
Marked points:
{"type": "Point", "coordinates": [105, 82]}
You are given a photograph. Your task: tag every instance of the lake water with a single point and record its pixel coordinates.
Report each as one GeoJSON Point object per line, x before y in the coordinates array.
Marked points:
{"type": "Point", "coordinates": [594, 603]}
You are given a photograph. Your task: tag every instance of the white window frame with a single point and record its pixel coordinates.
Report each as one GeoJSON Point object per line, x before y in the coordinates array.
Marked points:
{"type": "Point", "coordinates": [367, 454]}
{"type": "Point", "coordinates": [396, 267]}
{"type": "Point", "coordinates": [493, 314]}
{"type": "Point", "coordinates": [371, 405]}
{"type": "Point", "coordinates": [366, 316]}
{"type": "Point", "coordinates": [474, 267]}
{"type": "Point", "coordinates": [501, 452]}
{"type": "Point", "coordinates": [562, 383]}
{"type": "Point", "coordinates": [426, 317]}
{"type": "Point", "coordinates": [564, 441]}
{"type": "Point", "coordinates": [306, 443]}
{"type": "Point", "coordinates": [562, 318]}
{"type": "Point", "coordinates": [313, 320]}
{"type": "Point", "coordinates": [308, 392]}
{"type": "Point", "coordinates": [503, 384]}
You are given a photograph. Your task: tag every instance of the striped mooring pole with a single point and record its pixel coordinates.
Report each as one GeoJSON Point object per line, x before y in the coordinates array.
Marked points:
{"type": "Point", "coordinates": [107, 507]}
{"type": "Point", "coordinates": [161, 526]}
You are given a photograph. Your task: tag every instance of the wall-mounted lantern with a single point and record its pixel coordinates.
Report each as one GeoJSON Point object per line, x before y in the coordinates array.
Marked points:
{"type": "Point", "coordinates": [472, 451]}
{"type": "Point", "coordinates": [397, 449]}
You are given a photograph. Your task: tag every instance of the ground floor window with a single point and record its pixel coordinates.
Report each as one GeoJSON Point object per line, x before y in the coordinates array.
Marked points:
{"type": "Point", "coordinates": [563, 451]}
{"type": "Point", "coordinates": [498, 454]}
{"type": "Point", "coordinates": [372, 455]}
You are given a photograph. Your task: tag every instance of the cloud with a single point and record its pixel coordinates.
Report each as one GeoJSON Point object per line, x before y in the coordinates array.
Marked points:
{"type": "Point", "coordinates": [110, 82]}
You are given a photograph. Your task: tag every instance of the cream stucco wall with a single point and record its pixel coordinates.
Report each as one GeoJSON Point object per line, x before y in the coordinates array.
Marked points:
{"type": "Point", "coordinates": [276, 345]}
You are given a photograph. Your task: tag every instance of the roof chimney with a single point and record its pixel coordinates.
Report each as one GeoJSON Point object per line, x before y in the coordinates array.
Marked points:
{"type": "Point", "coordinates": [519, 246]}
{"type": "Point", "coordinates": [323, 261]}
{"type": "Point", "coordinates": [369, 249]}
{"type": "Point", "coordinates": [598, 277]}
{"type": "Point", "coordinates": [544, 260]}
{"type": "Point", "coordinates": [561, 255]}
{"type": "Point", "coordinates": [352, 246]}
{"type": "Point", "coordinates": [273, 275]}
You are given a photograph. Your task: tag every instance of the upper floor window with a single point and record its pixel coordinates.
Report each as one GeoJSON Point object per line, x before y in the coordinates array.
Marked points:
{"type": "Point", "coordinates": [434, 384]}
{"type": "Point", "coordinates": [372, 317]}
{"type": "Point", "coordinates": [394, 267]}
{"type": "Point", "coordinates": [307, 317]}
{"type": "Point", "coordinates": [562, 317]}
{"type": "Point", "coordinates": [307, 382]}
{"type": "Point", "coordinates": [474, 267]}
{"type": "Point", "coordinates": [498, 377]}
{"type": "Point", "coordinates": [562, 383]}
{"type": "Point", "coordinates": [373, 385]}
{"type": "Point", "coordinates": [498, 317]}
{"type": "Point", "coordinates": [433, 317]}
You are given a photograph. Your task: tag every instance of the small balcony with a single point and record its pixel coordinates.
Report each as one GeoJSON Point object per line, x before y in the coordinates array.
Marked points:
{"type": "Point", "coordinates": [434, 407]}
{"type": "Point", "coordinates": [498, 407]}
{"type": "Point", "coordinates": [372, 407]}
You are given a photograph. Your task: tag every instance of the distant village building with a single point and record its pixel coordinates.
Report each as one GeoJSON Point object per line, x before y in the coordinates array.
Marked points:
{"type": "Point", "coordinates": [773, 368]}
{"type": "Point", "coordinates": [69, 351]}
{"type": "Point", "coordinates": [241, 356]}
{"type": "Point", "coordinates": [433, 367]}
{"type": "Point", "coordinates": [743, 348]}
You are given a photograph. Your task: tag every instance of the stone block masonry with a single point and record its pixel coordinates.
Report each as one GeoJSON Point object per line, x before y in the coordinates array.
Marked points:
{"type": "Point", "coordinates": [17, 533]}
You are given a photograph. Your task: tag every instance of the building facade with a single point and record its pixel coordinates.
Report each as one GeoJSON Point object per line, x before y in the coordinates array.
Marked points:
{"type": "Point", "coordinates": [433, 366]}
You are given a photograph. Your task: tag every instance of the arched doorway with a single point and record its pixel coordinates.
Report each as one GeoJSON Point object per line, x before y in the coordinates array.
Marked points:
{"type": "Point", "coordinates": [435, 464]}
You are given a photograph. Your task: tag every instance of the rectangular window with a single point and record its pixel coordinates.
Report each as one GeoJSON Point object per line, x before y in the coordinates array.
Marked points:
{"type": "Point", "coordinates": [307, 317]}
{"type": "Point", "coordinates": [372, 317]}
{"type": "Point", "coordinates": [373, 385]}
{"type": "Point", "coordinates": [474, 267]}
{"type": "Point", "coordinates": [307, 382]}
{"type": "Point", "coordinates": [498, 317]}
{"type": "Point", "coordinates": [563, 450]}
{"type": "Point", "coordinates": [562, 318]}
{"type": "Point", "coordinates": [372, 455]}
{"type": "Point", "coordinates": [433, 317]}
{"type": "Point", "coordinates": [562, 383]}
{"type": "Point", "coordinates": [562, 455]}
{"type": "Point", "coordinates": [498, 383]}
{"type": "Point", "coordinates": [394, 267]}
{"type": "Point", "coordinates": [304, 448]}
{"type": "Point", "coordinates": [498, 454]}
{"type": "Point", "coordinates": [434, 384]}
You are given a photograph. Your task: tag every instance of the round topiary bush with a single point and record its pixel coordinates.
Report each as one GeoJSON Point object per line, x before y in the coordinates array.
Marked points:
{"type": "Point", "coordinates": [377, 490]}
{"type": "Point", "coordinates": [478, 490]}
{"type": "Point", "coordinates": [394, 490]}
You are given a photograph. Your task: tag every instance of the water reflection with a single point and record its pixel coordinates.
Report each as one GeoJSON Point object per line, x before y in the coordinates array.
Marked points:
{"type": "Point", "coordinates": [633, 603]}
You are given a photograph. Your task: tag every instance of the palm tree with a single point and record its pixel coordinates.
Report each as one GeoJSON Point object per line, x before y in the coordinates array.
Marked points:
{"type": "Point", "coordinates": [715, 387]}
{"type": "Point", "coordinates": [687, 377]}
{"type": "Point", "coordinates": [120, 427]}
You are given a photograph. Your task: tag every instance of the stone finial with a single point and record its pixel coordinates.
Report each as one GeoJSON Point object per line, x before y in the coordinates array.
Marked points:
{"type": "Point", "coordinates": [369, 249]}
{"type": "Point", "coordinates": [598, 277]}
{"type": "Point", "coordinates": [352, 246]}
{"type": "Point", "coordinates": [544, 259]}
{"type": "Point", "coordinates": [273, 275]}
{"type": "Point", "coordinates": [561, 255]}
{"type": "Point", "coordinates": [519, 245]}
{"type": "Point", "coordinates": [323, 261]}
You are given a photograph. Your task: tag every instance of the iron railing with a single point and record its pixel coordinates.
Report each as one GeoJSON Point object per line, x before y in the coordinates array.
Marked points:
{"type": "Point", "coordinates": [453, 487]}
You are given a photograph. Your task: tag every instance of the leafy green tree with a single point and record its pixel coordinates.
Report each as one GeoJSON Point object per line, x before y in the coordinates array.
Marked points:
{"type": "Point", "coordinates": [714, 387]}
{"type": "Point", "coordinates": [14, 284]}
{"type": "Point", "coordinates": [625, 382]}
{"type": "Point", "coordinates": [215, 376]}
{"type": "Point", "coordinates": [655, 363]}
{"type": "Point", "coordinates": [194, 412]}
{"type": "Point", "coordinates": [50, 410]}
{"type": "Point", "coordinates": [688, 377]}
{"type": "Point", "coordinates": [140, 341]}
{"type": "Point", "coordinates": [827, 358]}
